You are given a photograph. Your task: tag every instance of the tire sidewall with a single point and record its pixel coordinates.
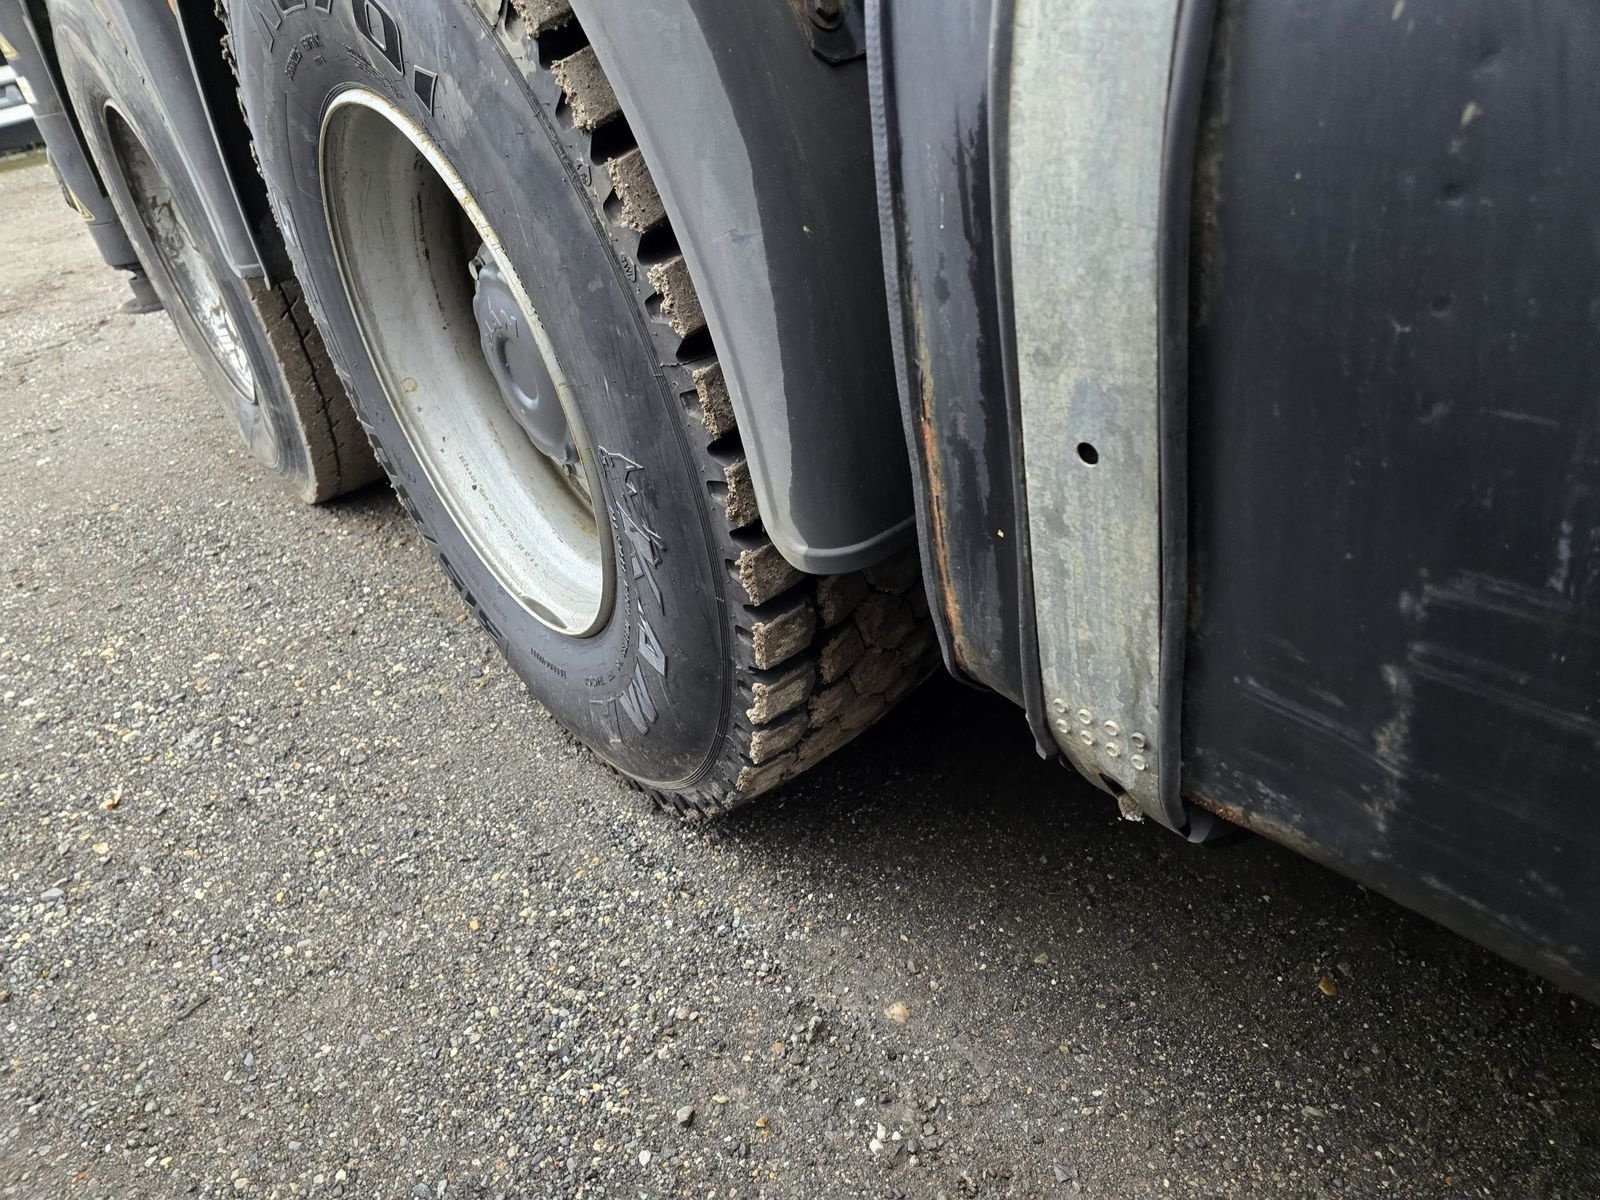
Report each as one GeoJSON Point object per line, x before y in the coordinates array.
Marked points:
{"type": "Point", "coordinates": [650, 691]}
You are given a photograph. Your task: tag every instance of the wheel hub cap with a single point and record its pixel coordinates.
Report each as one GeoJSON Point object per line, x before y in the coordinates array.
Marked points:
{"type": "Point", "coordinates": [516, 363]}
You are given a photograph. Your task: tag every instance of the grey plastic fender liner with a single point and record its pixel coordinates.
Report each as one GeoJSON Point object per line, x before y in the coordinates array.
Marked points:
{"type": "Point", "coordinates": [154, 38]}
{"type": "Point", "coordinates": [1088, 110]}
{"type": "Point", "coordinates": [762, 153]}
{"type": "Point", "coordinates": [158, 35]}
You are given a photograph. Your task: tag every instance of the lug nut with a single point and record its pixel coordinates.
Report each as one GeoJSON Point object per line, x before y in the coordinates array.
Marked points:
{"type": "Point", "coordinates": [826, 14]}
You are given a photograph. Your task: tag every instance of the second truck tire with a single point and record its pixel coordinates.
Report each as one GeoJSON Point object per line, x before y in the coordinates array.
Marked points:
{"type": "Point", "coordinates": [254, 341]}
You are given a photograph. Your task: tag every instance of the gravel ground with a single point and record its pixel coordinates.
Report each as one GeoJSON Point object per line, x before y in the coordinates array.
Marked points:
{"type": "Point", "coordinates": [301, 895]}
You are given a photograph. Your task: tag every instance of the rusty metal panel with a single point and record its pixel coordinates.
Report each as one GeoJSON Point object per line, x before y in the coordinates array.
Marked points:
{"type": "Point", "coordinates": [929, 64]}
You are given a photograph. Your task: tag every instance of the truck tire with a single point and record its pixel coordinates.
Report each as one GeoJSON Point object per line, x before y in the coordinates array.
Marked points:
{"type": "Point", "coordinates": [254, 341]}
{"type": "Point", "coordinates": [411, 147]}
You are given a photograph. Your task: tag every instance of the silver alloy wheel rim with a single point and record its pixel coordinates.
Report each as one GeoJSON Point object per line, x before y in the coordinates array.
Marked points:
{"type": "Point", "coordinates": [404, 229]}
{"type": "Point", "coordinates": [185, 263]}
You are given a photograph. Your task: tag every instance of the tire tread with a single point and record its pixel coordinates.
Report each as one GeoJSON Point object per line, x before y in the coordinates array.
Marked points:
{"type": "Point", "coordinates": [823, 657]}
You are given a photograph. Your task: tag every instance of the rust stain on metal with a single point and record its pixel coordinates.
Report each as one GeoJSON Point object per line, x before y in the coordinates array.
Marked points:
{"type": "Point", "coordinates": [933, 474]}
{"type": "Point", "coordinates": [1206, 202]}
{"type": "Point", "coordinates": [1228, 812]}
{"type": "Point", "coordinates": [1255, 822]}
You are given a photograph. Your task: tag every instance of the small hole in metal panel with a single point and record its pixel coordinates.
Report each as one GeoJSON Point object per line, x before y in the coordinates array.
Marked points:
{"type": "Point", "coordinates": [1088, 453]}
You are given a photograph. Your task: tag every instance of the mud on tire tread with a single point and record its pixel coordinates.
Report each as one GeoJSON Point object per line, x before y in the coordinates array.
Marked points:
{"type": "Point", "coordinates": [824, 657]}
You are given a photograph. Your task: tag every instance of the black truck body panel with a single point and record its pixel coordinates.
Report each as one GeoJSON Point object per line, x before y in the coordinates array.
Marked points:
{"type": "Point", "coordinates": [203, 102]}
{"type": "Point", "coordinates": [1394, 655]}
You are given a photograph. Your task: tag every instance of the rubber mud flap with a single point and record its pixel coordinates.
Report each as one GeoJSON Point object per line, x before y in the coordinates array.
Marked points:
{"type": "Point", "coordinates": [719, 671]}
